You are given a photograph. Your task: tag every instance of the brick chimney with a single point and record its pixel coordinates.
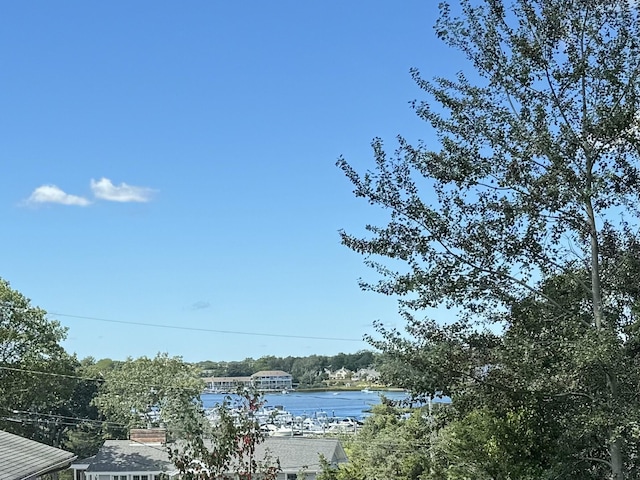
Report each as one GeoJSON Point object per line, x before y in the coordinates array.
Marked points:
{"type": "Point", "coordinates": [148, 436]}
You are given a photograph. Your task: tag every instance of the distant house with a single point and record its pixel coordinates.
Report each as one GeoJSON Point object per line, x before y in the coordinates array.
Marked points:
{"type": "Point", "coordinates": [24, 459]}
{"type": "Point", "coordinates": [342, 374]}
{"type": "Point", "coordinates": [134, 460]}
{"type": "Point", "coordinates": [265, 381]}
{"type": "Point", "coordinates": [366, 375]}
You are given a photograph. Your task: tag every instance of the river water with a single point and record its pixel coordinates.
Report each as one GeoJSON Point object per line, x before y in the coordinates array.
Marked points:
{"type": "Point", "coordinates": [342, 404]}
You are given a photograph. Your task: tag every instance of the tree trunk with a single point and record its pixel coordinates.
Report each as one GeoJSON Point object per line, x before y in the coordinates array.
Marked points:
{"type": "Point", "coordinates": [615, 446]}
{"type": "Point", "coordinates": [615, 450]}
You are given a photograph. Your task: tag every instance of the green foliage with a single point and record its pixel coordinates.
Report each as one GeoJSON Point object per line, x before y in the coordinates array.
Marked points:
{"type": "Point", "coordinates": [84, 440]}
{"type": "Point", "coordinates": [328, 471]}
{"type": "Point", "coordinates": [524, 221]}
{"type": "Point", "coordinates": [32, 401]}
{"type": "Point", "coordinates": [226, 450]}
{"type": "Point", "coordinates": [147, 392]}
{"type": "Point", "coordinates": [389, 445]}
{"type": "Point", "coordinates": [86, 435]}
{"type": "Point", "coordinates": [484, 446]}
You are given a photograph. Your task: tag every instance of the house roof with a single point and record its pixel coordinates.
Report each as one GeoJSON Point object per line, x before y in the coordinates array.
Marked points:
{"type": "Point", "coordinates": [262, 373]}
{"type": "Point", "coordinates": [270, 373]}
{"type": "Point", "coordinates": [127, 456]}
{"type": "Point", "coordinates": [294, 453]}
{"type": "Point", "coordinates": [228, 379]}
{"type": "Point", "coordinates": [21, 458]}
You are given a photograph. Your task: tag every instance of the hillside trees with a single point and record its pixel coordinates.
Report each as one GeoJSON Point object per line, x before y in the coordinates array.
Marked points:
{"type": "Point", "coordinates": [525, 221]}
{"type": "Point", "coordinates": [306, 371]}
{"type": "Point", "coordinates": [35, 370]}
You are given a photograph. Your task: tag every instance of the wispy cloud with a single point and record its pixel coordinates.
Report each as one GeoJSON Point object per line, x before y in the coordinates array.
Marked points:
{"type": "Point", "coordinates": [200, 305]}
{"type": "Point", "coordinates": [105, 190]}
{"type": "Point", "coordinates": [53, 194]}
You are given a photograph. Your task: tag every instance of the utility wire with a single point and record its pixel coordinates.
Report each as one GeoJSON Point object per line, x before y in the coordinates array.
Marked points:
{"type": "Point", "coordinates": [210, 330]}
{"type": "Point", "coordinates": [77, 420]}
{"type": "Point", "coordinates": [100, 380]}
{"type": "Point", "coordinates": [182, 327]}
{"type": "Point", "coordinates": [52, 374]}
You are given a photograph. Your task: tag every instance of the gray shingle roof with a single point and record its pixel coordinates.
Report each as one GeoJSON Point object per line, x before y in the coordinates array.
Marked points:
{"type": "Point", "coordinates": [125, 456]}
{"type": "Point", "coordinates": [294, 453]}
{"type": "Point", "coordinates": [21, 458]}
{"type": "Point", "coordinates": [271, 373]}
{"type": "Point", "coordinates": [298, 452]}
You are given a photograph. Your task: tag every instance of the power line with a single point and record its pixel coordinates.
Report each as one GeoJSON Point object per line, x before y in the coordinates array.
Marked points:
{"type": "Point", "coordinates": [97, 380]}
{"type": "Point", "coordinates": [52, 374]}
{"type": "Point", "coordinates": [67, 419]}
{"type": "Point", "coordinates": [182, 327]}
{"type": "Point", "coordinates": [210, 330]}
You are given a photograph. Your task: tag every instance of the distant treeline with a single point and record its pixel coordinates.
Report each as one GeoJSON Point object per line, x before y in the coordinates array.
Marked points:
{"type": "Point", "coordinates": [306, 371]}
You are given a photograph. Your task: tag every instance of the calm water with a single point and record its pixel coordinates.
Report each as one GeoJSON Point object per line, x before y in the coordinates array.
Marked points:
{"type": "Point", "coordinates": [337, 404]}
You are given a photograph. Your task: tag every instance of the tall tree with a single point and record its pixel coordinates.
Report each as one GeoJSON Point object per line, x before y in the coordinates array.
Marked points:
{"type": "Point", "coordinates": [147, 392]}
{"type": "Point", "coordinates": [535, 177]}
{"type": "Point", "coordinates": [35, 370]}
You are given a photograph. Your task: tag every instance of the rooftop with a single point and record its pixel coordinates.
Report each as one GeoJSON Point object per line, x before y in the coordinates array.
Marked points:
{"type": "Point", "coordinates": [21, 458]}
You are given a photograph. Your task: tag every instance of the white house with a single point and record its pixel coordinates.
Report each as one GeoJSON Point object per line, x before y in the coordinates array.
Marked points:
{"type": "Point", "coordinates": [341, 374]}
{"type": "Point", "coordinates": [366, 375]}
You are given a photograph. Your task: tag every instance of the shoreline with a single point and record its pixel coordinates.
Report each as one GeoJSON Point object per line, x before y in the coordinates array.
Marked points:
{"type": "Point", "coordinates": [347, 389]}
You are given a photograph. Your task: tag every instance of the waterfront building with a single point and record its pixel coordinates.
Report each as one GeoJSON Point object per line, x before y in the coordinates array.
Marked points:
{"type": "Point", "coordinates": [264, 381]}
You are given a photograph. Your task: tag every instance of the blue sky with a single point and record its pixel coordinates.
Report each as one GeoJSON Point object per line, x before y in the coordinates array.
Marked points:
{"type": "Point", "coordinates": [170, 167]}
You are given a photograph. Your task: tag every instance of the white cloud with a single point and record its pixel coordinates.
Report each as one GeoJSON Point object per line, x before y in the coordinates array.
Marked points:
{"type": "Point", "coordinates": [105, 190]}
{"type": "Point", "coordinates": [53, 194]}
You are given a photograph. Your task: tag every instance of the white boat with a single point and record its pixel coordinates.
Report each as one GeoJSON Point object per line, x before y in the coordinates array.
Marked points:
{"type": "Point", "coordinates": [285, 431]}
{"type": "Point", "coordinates": [276, 415]}
{"type": "Point", "coordinates": [321, 416]}
{"type": "Point", "coordinates": [313, 426]}
{"type": "Point", "coordinates": [346, 425]}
